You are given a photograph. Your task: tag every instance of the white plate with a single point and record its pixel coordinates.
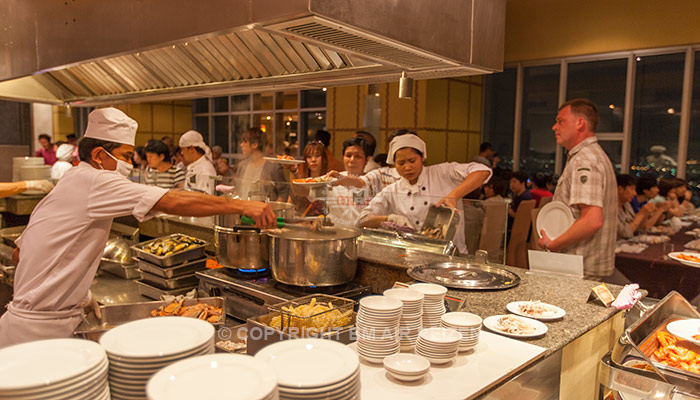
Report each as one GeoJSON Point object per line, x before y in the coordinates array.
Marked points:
{"type": "Point", "coordinates": [47, 362]}
{"type": "Point", "coordinates": [157, 337]}
{"type": "Point", "coordinates": [313, 184]}
{"type": "Point", "coordinates": [381, 304]}
{"type": "Point", "coordinates": [440, 336]}
{"type": "Point", "coordinates": [307, 363]}
{"type": "Point", "coordinates": [276, 160]}
{"type": "Point", "coordinates": [461, 320]}
{"type": "Point", "coordinates": [408, 296]}
{"type": "Point", "coordinates": [685, 329]}
{"type": "Point", "coordinates": [675, 255]}
{"type": "Point", "coordinates": [540, 328]}
{"type": "Point", "coordinates": [557, 313]}
{"type": "Point", "coordinates": [429, 289]}
{"type": "Point", "coordinates": [407, 364]}
{"type": "Point", "coordinates": [555, 218]}
{"type": "Point", "coordinates": [252, 379]}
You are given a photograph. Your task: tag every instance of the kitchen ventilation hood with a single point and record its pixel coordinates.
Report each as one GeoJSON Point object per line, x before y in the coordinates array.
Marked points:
{"type": "Point", "coordinates": [97, 52]}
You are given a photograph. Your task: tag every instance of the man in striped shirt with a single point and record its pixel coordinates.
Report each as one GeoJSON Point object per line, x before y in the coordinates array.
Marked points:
{"type": "Point", "coordinates": [161, 172]}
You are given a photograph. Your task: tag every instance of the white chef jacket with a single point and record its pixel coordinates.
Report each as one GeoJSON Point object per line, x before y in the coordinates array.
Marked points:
{"type": "Point", "coordinates": [61, 248]}
{"type": "Point", "coordinates": [200, 176]}
{"type": "Point", "coordinates": [413, 201]}
{"type": "Point", "coordinates": [345, 203]}
{"type": "Point", "coordinates": [59, 168]}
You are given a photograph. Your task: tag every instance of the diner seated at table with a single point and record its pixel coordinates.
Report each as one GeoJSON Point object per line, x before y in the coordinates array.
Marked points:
{"type": "Point", "coordinates": [647, 189]}
{"type": "Point", "coordinates": [684, 198]}
{"type": "Point", "coordinates": [668, 192]}
{"type": "Point", "coordinates": [629, 223]}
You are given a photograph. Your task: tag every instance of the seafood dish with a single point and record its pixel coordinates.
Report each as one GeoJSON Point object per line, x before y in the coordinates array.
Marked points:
{"type": "Point", "coordinates": [171, 245]}
{"type": "Point", "coordinates": [433, 232]}
{"type": "Point", "coordinates": [675, 355]}
{"type": "Point", "coordinates": [536, 309]}
{"type": "Point", "coordinates": [201, 311]}
{"type": "Point", "coordinates": [510, 324]}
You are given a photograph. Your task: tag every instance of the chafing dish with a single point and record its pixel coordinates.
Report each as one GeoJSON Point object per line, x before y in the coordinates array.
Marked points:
{"type": "Point", "coordinates": [178, 282]}
{"type": "Point", "coordinates": [152, 292]}
{"type": "Point", "coordinates": [117, 259]}
{"type": "Point", "coordinates": [172, 272]}
{"type": "Point", "coordinates": [442, 220]}
{"type": "Point", "coordinates": [173, 259]}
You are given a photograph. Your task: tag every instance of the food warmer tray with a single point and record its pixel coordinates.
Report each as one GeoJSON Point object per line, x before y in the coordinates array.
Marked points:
{"type": "Point", "coordinates": [125, 271]}
{"type": "Point", "coordinates": [174, 271]}
{"type": "Point", "coordinates": [116, 314]}
{"type": "Point", "coordinates": [173, 259]}
{"type": "Point", "coordinates": [152, 292]}
{"type": "Point", "coordinates": [471, 276]}
{"type": "Point", "coordinates": [184, 281]}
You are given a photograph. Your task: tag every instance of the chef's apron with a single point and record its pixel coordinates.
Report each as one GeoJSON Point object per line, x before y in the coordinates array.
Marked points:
{"type": "Point", "coordinates": [20, 326]}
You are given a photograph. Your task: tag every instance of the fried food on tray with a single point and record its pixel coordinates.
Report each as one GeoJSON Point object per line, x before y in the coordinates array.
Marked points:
{"type": "Point", "coordinates": [202, 311]}
{"type": "Point", "coordinates": [311, 318]}
{"type": "Point", "coordinates": [672, 355]}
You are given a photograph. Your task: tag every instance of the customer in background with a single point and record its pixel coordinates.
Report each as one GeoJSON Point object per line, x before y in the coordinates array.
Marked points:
{"type": "Point", "coordinates": [72, 139]}
{"type": "Point", "coordinates": [216, 153]}
{"type": "Point", "coordinates": [47, 150]}
{"type": "Point", "coordinates": [139, 158]}
{"type": "Point", "coordinates": [588, 187]}
{"type": "Point", "coordinates": [161, 172]}
{"type": "Point", "coordinates": [494, 189]}
{"type": "Point", "coordinates": [539, 188]}
{"type": "Point", "coordinates": [629, 223]}
{"type": "Point", "coordinates": [485, 155]}
{"type": "Point", "coordinates": [315, 159]}
{"type": "Point", "coordinates": [200, 173]}
{"type": "Point", "coordinates": [345, 203]}
{"type": "Point", "coordinates": [168, 140]}
{"type": "Point", "coordinates": [647, 188]}
{"type": "Point", "coordinates": [372, 143]}
{"type": "Point", "coordinates": [518, 185]}
{"type": "Point", "coordinates": [668, 193]}
{"type": "Point", "coordinates": [64, 154]}
{"type": "Point", "coordinates": [178, 159]}
{"type": "Point", "coordinates": [258, 179]}
{"type": "Point", "coordinates": [325, 137]}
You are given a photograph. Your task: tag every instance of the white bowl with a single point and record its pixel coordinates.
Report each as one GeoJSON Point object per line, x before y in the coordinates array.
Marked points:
{"type": "Point", "coordinates": [381, 304]}
{"type": "Point", "coordinates": [440, 335]}
{"type": "Point", "coordinates": [405, 378]}
{"type": "Point", "coordinates": [429, 289]}
{"type": "Point", "coordinates": [461, 319]}
{"type": "Point", "coordinates": [407, 296]}
{"type": "Point", "coordinates": [407, 364]}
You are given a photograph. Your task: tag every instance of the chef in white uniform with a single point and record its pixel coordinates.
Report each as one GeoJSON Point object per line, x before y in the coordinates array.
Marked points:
{"type": "Point", "coordinates": [201, 174]}
{"type": "Point", "coordinates": [60, 249]}
{"type": "Point", "coordinates": [64, 155]}
{"type": "Point", "coordinates": [406, 202]}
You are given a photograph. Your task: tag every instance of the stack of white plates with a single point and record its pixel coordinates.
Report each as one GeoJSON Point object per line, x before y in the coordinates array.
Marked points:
{"type": "Point", "coordinates": [313, 369]}
{"type": "Point", "coordinates": [468, 324]}
{"type": "Point", "coordinates": [377, 327]}
{"type": "Point", "coordinates": [407, 367]}
{"type": "Point", "coordinates": [138, 349]}
{"type": "Point", "coordinates": [433, 304]}
{"type": "Point", "coordinates": [56, 369]}
{"type": "Point", "coordinates": [215, 376]}
{"type": "Point", "coordinates": [411, 315]}
{"type": "Point", "coordinates": [439, 345]}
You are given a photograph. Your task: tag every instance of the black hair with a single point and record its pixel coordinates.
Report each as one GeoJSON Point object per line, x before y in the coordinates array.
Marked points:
{"type": "Point", "coordinates": [59, 143]}
{"type": "Point", "coordinates": [253, 136]}
{"type": "Point", "coordinates": [372, 143]}
{"type": "Point", "coordinates": [540, 180]}
{"type": "Point", "coordinates": [87, 145]}
{"type": "Point", "coordinates": [666, 185]}
{"type": "Point", "coordinates": [381, 159]}
{"type": "Point", "coordinates": [399, 132]}
{"type": "Point", "coordinates": [177, 150]}
{"type": "Point", "coordinates": [625, 180]}
{"type": "Point", "coordinates": [45, 136]}
{"type": "Point", "coordinates": [646, 182]}
{"type": "Point", "coordinates": [498, 185]}
{"type": "Point", "coordinates": [520, 175]}
{"type": "Point", "coordinates": [356, 141]}
{"type": "Point", "coordinates": [71, 136]}
{"type": "Point", "coordinates": [200, 150]}
{"type": "Point", "coordinates": [158, 148]}
{"type": "Point", "coordinates": [323, 137]}
{"type": "Point", "coordinates": [484, 146]}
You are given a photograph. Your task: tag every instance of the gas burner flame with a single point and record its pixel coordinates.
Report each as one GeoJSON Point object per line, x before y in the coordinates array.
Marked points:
{"type": "Point", "coordinates": [252, 271]}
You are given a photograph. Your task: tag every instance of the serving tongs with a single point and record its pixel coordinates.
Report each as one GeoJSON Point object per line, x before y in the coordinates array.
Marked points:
{"type": "Point", "coordinates": [314, 224]}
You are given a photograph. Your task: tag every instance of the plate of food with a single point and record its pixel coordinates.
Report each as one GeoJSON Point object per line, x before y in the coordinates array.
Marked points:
{"type": "Point", "coordinates": [515, 326]}
{"type": "Point", "coordinates": [317, 181]}
{"type": "Point", "coordinates": [686, 258]}
{"type": "Point", "coordinates": [686, 329]}
{"type": "Point", "coordinates": [536, 309]}
{"type": "Point", "coordinates": [285, 160]}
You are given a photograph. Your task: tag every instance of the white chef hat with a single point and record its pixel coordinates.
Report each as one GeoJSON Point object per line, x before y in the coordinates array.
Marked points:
{"type": "Point", "coordinates": [65, 152]}
{"type": "Point", "coordinates": [408, 140]}
{"type": "Point", "coordinates": [194, 138]}
{"type": "Point", "coordinates": [111, 125]}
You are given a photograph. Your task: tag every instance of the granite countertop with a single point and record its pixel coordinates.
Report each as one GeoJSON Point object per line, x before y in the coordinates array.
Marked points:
{"type": "Point", "coordinates": [571, 294]}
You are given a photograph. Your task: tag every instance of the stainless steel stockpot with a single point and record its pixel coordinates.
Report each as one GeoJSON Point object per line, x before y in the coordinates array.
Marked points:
{"type": "Point", "coordinates": [242, 247]}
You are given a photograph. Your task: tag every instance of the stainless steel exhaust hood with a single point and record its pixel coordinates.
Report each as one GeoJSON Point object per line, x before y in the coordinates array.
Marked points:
{"type": "Point", "coordinates": [95, 52]}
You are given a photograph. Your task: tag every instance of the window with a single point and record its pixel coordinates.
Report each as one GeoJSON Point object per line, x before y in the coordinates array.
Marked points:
{"type": "Point", "coordinates": [540, 103]}
{"type": "Point", "coordinates": [692, 172]}
{"type": "Point", "coordinates": [602, 82]}
{"type": "Point", "coordinates": [499, 109]}
{"type": "Point", "coordinates": [276, 113]}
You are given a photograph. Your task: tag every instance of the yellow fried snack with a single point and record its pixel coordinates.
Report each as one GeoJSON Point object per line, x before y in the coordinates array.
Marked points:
{"type": "Point", "coordinates": [311, 319]}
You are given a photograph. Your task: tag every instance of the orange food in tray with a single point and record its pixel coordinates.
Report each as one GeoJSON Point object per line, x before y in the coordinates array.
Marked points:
{"type": "Point", "coordinates": [672, 355]}
{"type": "Point", "coordinates": [689, 257]}
{"type": "Point", "coordinates": [285, 157]}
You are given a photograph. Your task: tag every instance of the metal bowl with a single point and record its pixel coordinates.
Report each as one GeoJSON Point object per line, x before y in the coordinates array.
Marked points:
{"type": "Point", "coordinates": [118, 250]}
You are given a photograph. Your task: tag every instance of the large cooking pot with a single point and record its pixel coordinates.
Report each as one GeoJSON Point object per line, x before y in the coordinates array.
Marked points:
{"type": "Point", "coordinates": [308, 258]}
{"type": "Point", "coordinates": [242, 247]}
{"type": "Point", "coordinates": [284, 210]}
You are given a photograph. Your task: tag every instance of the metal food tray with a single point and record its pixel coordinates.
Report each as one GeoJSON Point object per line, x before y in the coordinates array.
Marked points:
{"type": "Point", "coordinates": [174, 271]}
{"type": "Point", "coordinates": [179, 282]}
{"type": "Point", "coordinates": [152, 292]}
{"type": "Point", "coordinates": [116, 314]}
{"type": "Point", "coordinates": [442, 217]}
{"type": "Point", "coordinates": [126, 271]}
{"type": "Point", "coordinates": [173, 259]}
{"type": "Point", "coordinates": [466, 275]}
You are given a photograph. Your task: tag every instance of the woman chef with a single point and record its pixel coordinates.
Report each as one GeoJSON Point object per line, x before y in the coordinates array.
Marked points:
{"type": "Point", "coordinates": [61, 247]}
{"type": "Point", "coordinates": [406, 201]}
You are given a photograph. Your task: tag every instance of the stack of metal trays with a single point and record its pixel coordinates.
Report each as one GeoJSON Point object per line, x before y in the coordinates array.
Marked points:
{"type": "Point", "coordinates": [171, 274]}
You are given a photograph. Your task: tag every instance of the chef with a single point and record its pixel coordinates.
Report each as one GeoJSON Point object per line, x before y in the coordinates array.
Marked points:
{"type": "Point", "coordinates": [60, 249]}
{"type": "Point", "coordinates": [406, 202]}
{"type": "Point", "coordinates": [200, 170]}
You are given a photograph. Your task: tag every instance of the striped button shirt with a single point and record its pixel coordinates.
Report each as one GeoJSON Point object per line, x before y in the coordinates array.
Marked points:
{"type": "Point", "coordinates": [168, 179]}
{"type": "Point", "coordinates": [588, 179]}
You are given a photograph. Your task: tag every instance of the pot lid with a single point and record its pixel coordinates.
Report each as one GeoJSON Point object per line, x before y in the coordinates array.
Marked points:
{"type": "Point", "coordinates": [465, 276]}
{"type": "Point", "coordinates": [326, 233]}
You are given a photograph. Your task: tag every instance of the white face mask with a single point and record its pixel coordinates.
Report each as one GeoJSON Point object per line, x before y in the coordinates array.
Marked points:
{"type": "Point", "coordinates": [123, 168]}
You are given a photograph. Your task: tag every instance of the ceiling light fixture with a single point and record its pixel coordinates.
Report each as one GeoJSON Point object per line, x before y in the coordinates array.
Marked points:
{"type": "Point", "coordinates": [405, 86]}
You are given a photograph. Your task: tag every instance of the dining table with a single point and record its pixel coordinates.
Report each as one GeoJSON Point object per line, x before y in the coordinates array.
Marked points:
{"type": "Point", "coordinates": [659, 274]}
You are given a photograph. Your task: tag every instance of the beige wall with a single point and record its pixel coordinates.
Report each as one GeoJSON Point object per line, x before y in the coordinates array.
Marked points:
{"type": "Point", "coordinates": [446, 113]}
{"type": "Point", "coordinates": [537, 29]}
{"type": "Point", "coordinates": [155, 120]}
